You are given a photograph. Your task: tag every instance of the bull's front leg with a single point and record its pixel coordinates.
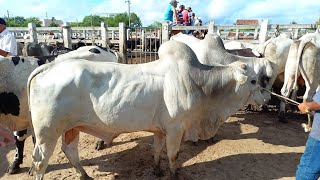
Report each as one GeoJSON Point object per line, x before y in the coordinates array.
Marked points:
{"type": "Point", "coordinates": [173, 141]}
{"type": "Point", "coordinates": [158, 143]}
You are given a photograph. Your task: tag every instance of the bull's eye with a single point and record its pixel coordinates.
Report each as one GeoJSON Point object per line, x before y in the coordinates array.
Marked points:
{"type": "Point", "coordinates": [253, 82]}
{"type": "Point", "coordinates": [267, 79]}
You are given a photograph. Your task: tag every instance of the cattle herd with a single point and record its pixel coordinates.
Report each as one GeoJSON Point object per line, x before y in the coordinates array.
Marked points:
{"type": "Point", "coordinates": [185, 95]}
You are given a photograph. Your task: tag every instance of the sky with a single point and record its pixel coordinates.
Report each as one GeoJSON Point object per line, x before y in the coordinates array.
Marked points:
{"type": "Point", "coordinates": [223, 12]}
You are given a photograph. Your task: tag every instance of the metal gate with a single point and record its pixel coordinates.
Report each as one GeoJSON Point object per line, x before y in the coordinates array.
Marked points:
{"type": "Point", "coordinates": [143, 44]}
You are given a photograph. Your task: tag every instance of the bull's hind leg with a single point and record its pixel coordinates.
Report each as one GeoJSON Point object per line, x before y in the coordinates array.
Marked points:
{"type": "Point", "coordinates": [173, 141]}
{"type": "Point", "coordinates": [70, 142]}
{"type": "Point", "coordinates": [158, 143]}
{"type": "Point", "coordinates": [20, 137]}
{"type": "Point", "coordinates": [42, 152]}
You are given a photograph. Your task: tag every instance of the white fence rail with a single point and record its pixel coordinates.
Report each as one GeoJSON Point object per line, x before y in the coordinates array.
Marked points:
{"type": "Point", "coordinates": [105, 36]}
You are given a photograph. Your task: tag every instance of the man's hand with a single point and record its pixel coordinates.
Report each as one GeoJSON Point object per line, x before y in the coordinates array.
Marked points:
{"type": "Point", "coordinates": [304, 108]}
{"type": "Point", "coordinates": [6, 137]}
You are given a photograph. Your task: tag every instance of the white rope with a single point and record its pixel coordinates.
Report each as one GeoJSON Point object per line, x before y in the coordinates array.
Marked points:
{"type": "Point", "coordinates": [282, 97]}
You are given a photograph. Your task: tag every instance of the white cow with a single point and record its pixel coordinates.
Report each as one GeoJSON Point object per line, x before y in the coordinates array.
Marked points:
{"type": "Point", "coordinates": [211, 50]}
{"type": "Point", "coordinates": [13, 95]}
{"type": "Point", "coordinates": [276, 50]}
{"type": "Point", "coordinates": [304, 57]}
{"type": "Point", "coordinates": [174, 97]}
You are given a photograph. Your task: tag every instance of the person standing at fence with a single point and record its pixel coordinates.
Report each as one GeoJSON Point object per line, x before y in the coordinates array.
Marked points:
{"type": "Point", "coordinates": [8, 44]}
{"type": "Point", "coordinates": [309, 167]}
{"type": "Point", "coordinates": [180, 15]}
{"type": "Point", "coordinates": [171, 14]}
{"type": "Point", "coordinates": [186, 17]}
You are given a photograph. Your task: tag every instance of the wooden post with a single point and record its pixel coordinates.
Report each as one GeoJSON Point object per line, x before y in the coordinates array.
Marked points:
{"type": "Point", "coordinates": [211, 27]}
{"type": "Point", "coordinates": [165, 31]}
{"type": "Point", "coordinates": [143, 40]}
{"type": "Point", "coordinates": [263, 31]}
{"type": "Point", "coordinates": [128, 34]}
{"type": "Point", "coordinates": [123, 42]}
{"type": "Point", "coordinates": [237, 34]}
{"type": "Point", "coordinates": [33, 32]}
{"type": "Point", "coordinates": [218, 32]}
{"type": "Point", "coordinates": [112, 35]}
{"type": "Point", "coordinates": [255, 36]}
{"type": "Point", "coordinates": [296, 32]}
{"type": "Point", "coordinates": [66, 31]}
{"type": "Point", "coordinates": [104, 35]}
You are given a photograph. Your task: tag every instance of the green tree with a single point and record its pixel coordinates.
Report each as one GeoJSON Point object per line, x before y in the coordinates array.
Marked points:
{"type": "Point", "coordinates": [92, 20]}
{"type": "Point", "coordinates": [34, 20]}
{"type": "Point", "coordinates": [318, 22]}
{"type": "Point", "coordinates": [155, 24]}
{"type": "Point", "coordinates": [53, 24]}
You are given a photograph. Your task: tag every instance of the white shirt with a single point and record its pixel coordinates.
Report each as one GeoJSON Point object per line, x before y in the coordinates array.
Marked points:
{"type": "Point", "coordinates": [8, 43]}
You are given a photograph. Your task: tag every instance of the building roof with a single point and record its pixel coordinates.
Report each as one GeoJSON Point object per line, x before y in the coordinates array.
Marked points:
{"type": "Point", "coordinates": [247, 22]}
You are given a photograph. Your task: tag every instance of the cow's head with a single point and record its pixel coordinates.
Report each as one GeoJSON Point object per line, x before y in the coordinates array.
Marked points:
{"type": "Point", "coordinates": [247, 83]}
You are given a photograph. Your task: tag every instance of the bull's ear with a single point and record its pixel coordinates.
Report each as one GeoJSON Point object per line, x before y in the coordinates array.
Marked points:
{"type": "Point", "coordinates": [241, 79]}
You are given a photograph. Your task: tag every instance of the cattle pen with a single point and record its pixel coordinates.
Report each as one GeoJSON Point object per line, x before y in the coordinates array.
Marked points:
{"type": "Point", "coordinates": [249, 145]}
{"type": "Point", "coordinates": [140, 44]}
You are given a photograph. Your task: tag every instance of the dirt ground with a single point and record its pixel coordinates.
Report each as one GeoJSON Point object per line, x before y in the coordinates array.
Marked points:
{"type": "Point", "coordinates": [248, 146]}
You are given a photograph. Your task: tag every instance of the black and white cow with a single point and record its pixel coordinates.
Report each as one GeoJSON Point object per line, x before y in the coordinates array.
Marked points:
{"type": "Point", "coordinates": [13, 95]}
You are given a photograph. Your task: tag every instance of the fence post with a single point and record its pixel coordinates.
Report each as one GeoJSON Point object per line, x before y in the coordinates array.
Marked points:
{"type": "Point", "coordinates": [237, 34]}
{"type": "Point", "coordinates": [104, 35]}
{"type": "Point", "coordinates": [263, 31]}
{"type": "Point", "coordinates": [112, 35]}
{"type": "Point", "coordinates": [165, 31]}
{"type": "Point", "coordinates": [255, 36]}
{"type": "Point", "coordinates": [296, 32]}
{"type": "Point", "coordinates": [123, 42]}
{"type": "Point", "coordinates": [211, 27]}
{"type": "Point", "coordinates": [128, 33]}
{"type": "Point", "coordinates": [143, 40]}
{"type": "Point", "coordinates": [66, 31]}
{"type": "Point", "coordinates": [33, 32]}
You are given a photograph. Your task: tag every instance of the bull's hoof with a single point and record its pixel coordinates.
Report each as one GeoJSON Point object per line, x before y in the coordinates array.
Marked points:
{"type": "Point", "coordinates": [158, 172]}
{"type": "Point", "coordinates": [265, 108]}
{"type": "Point", "coordinates": [85, 177]}
{"type": "Point", "coordinates": [282, 118]}
{"type": "Point", "coordinates": [99, 145]}
{"type": "Point", "coordinates": [211, 139]}
{"type": "Point", "coordinates": [14, 168]}
{"type": "Point", "coordinates": [30, 172]}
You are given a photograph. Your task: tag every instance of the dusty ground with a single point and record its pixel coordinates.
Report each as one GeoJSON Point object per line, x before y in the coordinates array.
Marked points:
{"type": "Point", "coordinates": [247, 146]}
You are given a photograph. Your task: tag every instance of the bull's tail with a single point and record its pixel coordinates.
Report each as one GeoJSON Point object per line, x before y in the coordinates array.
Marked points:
{"type": "Point", "coordinates": [37, 71]}
{"type": "Point", "coordinates": [299, 57]}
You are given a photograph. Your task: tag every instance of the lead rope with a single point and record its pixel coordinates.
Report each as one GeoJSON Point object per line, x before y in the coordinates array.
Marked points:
{"type": "Point", "coordinates": [306, 127]}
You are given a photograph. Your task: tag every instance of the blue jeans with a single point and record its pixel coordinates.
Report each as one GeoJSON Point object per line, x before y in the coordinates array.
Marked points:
{"type": "Point", "coordinates": [309, 167]}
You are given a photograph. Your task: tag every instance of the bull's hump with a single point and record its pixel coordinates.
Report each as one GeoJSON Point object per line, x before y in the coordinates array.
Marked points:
{"type": "Point", "coordinates": [9, 104]}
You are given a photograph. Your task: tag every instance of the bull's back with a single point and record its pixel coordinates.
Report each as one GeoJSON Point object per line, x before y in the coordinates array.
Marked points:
{"type": "Point", "coordinates": [108, 94]}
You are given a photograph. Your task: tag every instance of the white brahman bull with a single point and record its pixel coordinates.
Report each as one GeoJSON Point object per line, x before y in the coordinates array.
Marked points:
{"type": "Point", "coordinates": [175, 97]}
{"type": "Point", "coordinates": [304, 59]}
{"type": "Point", "coordinates": [211, 50]}
{"type": "Point", "coordinates": [13, 95]}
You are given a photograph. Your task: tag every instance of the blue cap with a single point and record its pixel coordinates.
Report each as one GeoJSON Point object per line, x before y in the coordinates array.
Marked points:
{"type": "Point", "coordinates": [2, 21]}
